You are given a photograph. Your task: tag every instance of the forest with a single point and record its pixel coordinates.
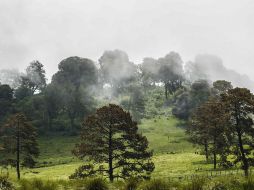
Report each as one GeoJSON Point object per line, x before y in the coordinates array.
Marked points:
{"type": "Point", "coordinates": [112, 124]}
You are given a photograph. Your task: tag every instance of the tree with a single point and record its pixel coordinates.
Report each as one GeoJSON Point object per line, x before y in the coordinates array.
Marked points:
{"type": "Point", "coordinates": [135, 104]}
{"type": "Point", "coordinates": [221, 86]}
{"type": "Point", "coordinates": [74, 81]}
{"type": "Point", "coordinates": [6, 100]}
{"type": "Point", "coordinates": [208, 127]}
{"type": "Point", "coordinates": [52, 102]}
{"type": "Point", "coordinates": [117, 70]}
{"type": "Point", "coordinates": [240, 107]}
{"type": "Point", "coordinates": [110, 136]}
{"type": "Point", "coordinates": [34, 79]}
{"type": "Point", "coordinates": [171, 72]}
{"type": "Point", "coordinates": [149, 72]}
{"type": "Point", "coordinates": [19, 142]}
{"type": "Point", "coordinates": [187, 100]}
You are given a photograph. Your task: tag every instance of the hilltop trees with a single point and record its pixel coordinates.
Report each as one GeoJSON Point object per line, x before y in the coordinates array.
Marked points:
{"type": "Point", "coordinates": [19, 142]}
{"type": "Point", "coordinates": [111, 137]}
{"type": "Point", "coordinates": [117, 70]}
{"type": "Point", "coordinates": [74, 80]}
{"type": "Point", "coordinates": [171, 72]}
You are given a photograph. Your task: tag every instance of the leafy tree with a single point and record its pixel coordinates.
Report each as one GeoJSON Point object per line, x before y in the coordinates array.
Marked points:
{"type": "Point", "coordinates": [52, 102]}
{"type": "Point", "coordinates": [149, 72]}
{"type": "Point", "coordinates": [74, 81]}
{"type": "Point", "coordinates": [111, 137]}
{"type": "Point", "coordinates": [135, 104]}
{"type": "Point", "coordinates": [208, 127]}
{"type": "Point", "coordinates": [19, 142]}
{"type": "Point", "coordinates": [117, 70]}
{"type": "Point", "coordinates": [187, 100]}
{"type": "Point", "coordinates": [6, 100]}
{"type": "Point", "coordinates": [34, 79]}
{"type": "Point", "coordinates": [240, 107]}
{"type": "Point", "coordinates": [221, 86]}
{"type": "Point", "coordinates": [171, 72]}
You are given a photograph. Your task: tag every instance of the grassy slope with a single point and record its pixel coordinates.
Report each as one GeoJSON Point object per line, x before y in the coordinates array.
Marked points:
{"type": "Point", "coordinates": [173, 154]}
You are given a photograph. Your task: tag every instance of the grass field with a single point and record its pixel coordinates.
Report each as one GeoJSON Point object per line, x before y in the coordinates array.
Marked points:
{"type": "Point", "coordinates": [173, 155]}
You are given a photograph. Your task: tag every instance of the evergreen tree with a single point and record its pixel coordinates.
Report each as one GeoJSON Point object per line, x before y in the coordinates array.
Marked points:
{"type": "Point", "coordinates": [111, 137]}
{"type": "Point", "coordinates": [19, 142]}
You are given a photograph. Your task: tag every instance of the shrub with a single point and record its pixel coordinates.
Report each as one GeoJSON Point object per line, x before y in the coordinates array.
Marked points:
{"type": "Point", "coordinates": [156, 185]}
{"type": "Point", "coordinates": [131, 184]}
{"type": "Point", "coordinates": [248, 184]}
{"type": "Point", "coordinates": [96, 184]}
{"type": "Point", "coordinates": [197, 183]}
{"type": "Point", "coordinates": [37, 184]}
{"type": "Point", "coordinates": [5, 184]}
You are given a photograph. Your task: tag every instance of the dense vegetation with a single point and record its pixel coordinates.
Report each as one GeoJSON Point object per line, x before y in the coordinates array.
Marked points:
{"type": "Point", "coordinates": [156, 124]}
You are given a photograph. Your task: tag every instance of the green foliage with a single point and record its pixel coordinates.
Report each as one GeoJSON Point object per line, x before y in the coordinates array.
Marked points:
{"type": "Point", "coordinates": [5, 184]}
{"type": "Point", "coordinates": [248, 184]}
{"type": "Point", "coordinates": [37, 184]}
{"type": "Point", "coordinates": [131, 184]}
{"type": "Point", "coordinates": [156, 185]}
{"type": "Point", "coordinates": [197, 183]}
{"type": "Point", "coordinates": [96, 184]}
{"type": "Point", "coordinates": [111, 138]}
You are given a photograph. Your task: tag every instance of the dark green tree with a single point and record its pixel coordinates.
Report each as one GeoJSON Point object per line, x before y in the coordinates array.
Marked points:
{"type": "Point", "coordinates": [6, 101]}
{"type": "Point", "coordinates": [111, 137]}
{"type": "Point", "coordinates": [171, 72]}
{"type": "Point", "coordinates": [240, 107]}
{"type": "Point", "coordinates": [187, 100]}
{"type": "Point", "coordinates": [209, 127]}
{"type": "Point", "coordinates": [19, 139]}
{"type": "Point", "coordinates": [74, 81]}
{"type": "Point", "coordinates": [220, 86]}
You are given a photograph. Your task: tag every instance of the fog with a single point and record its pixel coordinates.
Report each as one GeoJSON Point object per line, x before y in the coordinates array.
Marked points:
{"type": "Point", "coordinates": [52, 30]}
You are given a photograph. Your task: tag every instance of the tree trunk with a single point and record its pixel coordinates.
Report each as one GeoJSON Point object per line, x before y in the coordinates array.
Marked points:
{"type": "Point", "coordinates": [243, 157]}
{"type": "Point", "coordinates": [214, 153]}
{"type": "Point", "coordinates": [206, 152]}
{"type": "Point", "coordinates": [18, 152]}
{"type": "Point", "coordinates": [110, 159]}
{"type": "Point", "coordinates": [214, 160]}
{"type": "Point", "coordinates": [72, 118]}
{"type": "Point", "coordinates": [166, 91]}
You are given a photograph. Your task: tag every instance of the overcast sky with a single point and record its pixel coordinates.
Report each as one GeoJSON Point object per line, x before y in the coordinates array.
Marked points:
{"type": "Point", "coordinates": [51, 30]}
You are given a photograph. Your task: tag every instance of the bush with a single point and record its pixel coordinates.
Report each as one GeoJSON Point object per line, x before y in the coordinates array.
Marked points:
{"type": "Point", "coordinates": [37, 184]}
{"type": "Point", "coordinates": [249, 184]}
{"type": "Point", "coordinates": [156, 185]}
{"type": "Point", "coordinates": [131, 184]}
{"type": "Point", "coordinates": [197, 183]}
{"type": "Point", "coordinates": [96, 184]}
{"type": "Point", "coordinates": [5, 184]}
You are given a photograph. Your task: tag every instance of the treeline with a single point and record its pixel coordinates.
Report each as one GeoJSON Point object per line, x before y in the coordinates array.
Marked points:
{"type": "Point", "coordinates": [219, 115]}
{"type": "Point", "coordinates": [80, 86]}
{"type": "Point", "coordinates": [223, 126]}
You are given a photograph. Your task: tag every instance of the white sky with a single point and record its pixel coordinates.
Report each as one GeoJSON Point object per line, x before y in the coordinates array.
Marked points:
{"type": "Point", "coordinates": [51, 30]}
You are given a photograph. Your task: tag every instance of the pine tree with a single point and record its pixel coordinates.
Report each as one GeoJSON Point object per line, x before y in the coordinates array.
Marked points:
{"type": "Point", "coordinates": [240, 106]}
{"type": "Point", "coordinates": [111, 137]}
{"type": "Point", "coordinates": [19, 142]}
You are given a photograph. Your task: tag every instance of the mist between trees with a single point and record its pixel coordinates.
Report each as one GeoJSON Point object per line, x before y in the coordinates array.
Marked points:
{"type": "Point", "coordinates": [112, 96]}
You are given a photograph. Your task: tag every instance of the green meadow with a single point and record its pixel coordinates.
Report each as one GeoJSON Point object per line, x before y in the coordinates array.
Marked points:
{"type": "Point", "coordinates": [174, 156]}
